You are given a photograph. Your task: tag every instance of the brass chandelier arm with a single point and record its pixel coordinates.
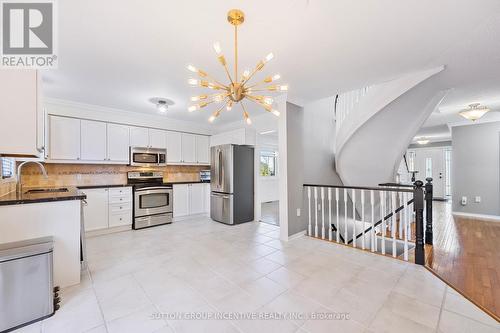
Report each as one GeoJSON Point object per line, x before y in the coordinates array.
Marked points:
{"type": "Point", "coordinates": [216, 82]}
{"type": "Point", "coordinates": [268, 108]}
{"type": "Point", "coordinates": [235, 53]}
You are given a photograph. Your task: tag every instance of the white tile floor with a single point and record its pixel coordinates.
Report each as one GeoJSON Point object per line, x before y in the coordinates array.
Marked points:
{"type": "Point", "coordinates": [198, 266]}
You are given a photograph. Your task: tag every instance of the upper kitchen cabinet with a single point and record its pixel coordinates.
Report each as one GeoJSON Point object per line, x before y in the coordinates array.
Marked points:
{"type": "Point", "coordinates": [64, 138]}
{"type": "Point", "coordinates": [118, 143]}
{"type": "Point", "coordinates": [139, 137]}
{"type": "Point", "coordinates": [202, 149]}
{"type": "Point", "coordinates": [157, 138]}
{"type": "Point", "coordinates": [21, 131]}
{"type": "Point", "coordinates": [93, 140]}
{"type": "Point", "coordinates": [188, 144]}
{"type": "Point", "coordinates": [174, 150]}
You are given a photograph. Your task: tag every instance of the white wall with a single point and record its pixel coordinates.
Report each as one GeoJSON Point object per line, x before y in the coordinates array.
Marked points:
{"type": "Point", "coordinates": [95, 112]}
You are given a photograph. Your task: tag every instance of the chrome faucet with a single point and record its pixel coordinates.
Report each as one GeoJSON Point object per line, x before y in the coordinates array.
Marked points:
{"type": "Point", "coordinates": [19, 184]}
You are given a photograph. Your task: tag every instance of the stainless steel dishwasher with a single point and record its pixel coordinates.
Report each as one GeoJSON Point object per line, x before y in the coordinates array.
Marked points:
{"type": "Point", "coordinates": [26, 282]}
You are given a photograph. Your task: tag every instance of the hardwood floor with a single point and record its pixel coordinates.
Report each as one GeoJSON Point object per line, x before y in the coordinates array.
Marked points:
{"type": "Point", "coordinates": [465, 254]}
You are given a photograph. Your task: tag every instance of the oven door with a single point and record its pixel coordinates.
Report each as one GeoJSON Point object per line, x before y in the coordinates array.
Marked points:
{"type": "Point", "coordinates": [152, 200]}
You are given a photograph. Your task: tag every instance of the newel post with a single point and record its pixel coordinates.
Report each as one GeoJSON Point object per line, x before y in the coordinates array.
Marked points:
{"type": "Point", "coordinates": [418, 196]}
{"type": "Point", "coordinates": [428, 211]}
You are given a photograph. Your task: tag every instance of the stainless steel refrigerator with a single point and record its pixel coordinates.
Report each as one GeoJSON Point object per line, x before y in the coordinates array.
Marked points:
{"type": "Point", "coordinates": [232, 184]}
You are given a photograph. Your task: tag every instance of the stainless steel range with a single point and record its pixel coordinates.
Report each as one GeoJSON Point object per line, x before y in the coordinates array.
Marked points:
{"type": "Point", "coordinates": [153, 200]}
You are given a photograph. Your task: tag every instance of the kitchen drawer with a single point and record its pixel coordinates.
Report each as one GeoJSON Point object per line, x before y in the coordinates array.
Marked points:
{"type": "Point", "coordinates": [118, 199]}
{"type": "Point", "coordinates": [119, 208]}
{"type": "Point", "coordinates": [119, 191]}
{"type": "Point", "coordinates": [116, 220]}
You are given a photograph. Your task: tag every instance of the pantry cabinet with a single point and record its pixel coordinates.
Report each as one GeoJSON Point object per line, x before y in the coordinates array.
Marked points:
{"type": "Point", "coordinates": [22, 125]}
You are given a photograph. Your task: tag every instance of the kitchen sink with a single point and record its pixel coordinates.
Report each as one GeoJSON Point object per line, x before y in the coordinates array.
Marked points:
{"type": "Point", "coordinates": [46, 190]}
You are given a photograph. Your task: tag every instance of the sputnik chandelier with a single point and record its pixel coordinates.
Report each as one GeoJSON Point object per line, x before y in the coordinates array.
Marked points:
{"type": "Point", "coordinates": [239, 89]}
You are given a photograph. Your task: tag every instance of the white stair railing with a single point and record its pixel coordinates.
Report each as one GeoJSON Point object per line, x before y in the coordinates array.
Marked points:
{"type": "Point", "coordinates": [346, 102]}
{"type": "Point", "coordinates": [375, 218]}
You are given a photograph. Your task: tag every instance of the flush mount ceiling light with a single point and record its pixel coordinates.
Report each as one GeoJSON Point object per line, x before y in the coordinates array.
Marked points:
{"type": "Point", "coordinates": [162, 104]}
{"type": "Point", "coordinates": [238, 89]}
{"type": "Point", "coordinates": [422, 141]}
{"type": "Point", "coordinates": [474, 111]}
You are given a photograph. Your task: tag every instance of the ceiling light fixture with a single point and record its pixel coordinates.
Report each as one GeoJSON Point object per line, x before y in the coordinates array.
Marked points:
{"type": "Point", "coordinates": [422, 141]}
{"type": "Point", "coordinates": [161, 103]}
{"type": "Point", "coordinates": [238, 89]}
{"type": "Point", "coordinates": [474, 112]}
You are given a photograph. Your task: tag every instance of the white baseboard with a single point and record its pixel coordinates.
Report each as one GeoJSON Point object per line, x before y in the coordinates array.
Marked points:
{"type": "Point", "coordinates": [489, 218]}
{"type": "Point", "coordinates": [297, 235]}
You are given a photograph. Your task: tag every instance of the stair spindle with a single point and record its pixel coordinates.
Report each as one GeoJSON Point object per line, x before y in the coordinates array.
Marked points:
{"type": "Point", "coordinates": [329, 214]}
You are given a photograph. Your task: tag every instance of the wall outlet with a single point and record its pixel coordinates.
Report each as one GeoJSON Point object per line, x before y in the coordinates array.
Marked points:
{"type": "Point", "coordinates": [464, 201]}
{"type": "Point", "coordinates": [298, 211]}
{"type": "Point", "coordinates": [477, 199]}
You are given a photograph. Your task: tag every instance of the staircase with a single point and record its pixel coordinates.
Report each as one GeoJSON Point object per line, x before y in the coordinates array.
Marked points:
{"type": "Point", "coordinates": [376, 124]}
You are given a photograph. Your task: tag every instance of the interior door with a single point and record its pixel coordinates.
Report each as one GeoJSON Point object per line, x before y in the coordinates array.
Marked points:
{"type": "Point", "coordinates": [430, 163]}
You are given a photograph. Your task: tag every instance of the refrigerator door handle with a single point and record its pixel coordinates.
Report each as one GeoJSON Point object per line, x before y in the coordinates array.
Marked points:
{"type": "Point", "coordinates": [220, 168]}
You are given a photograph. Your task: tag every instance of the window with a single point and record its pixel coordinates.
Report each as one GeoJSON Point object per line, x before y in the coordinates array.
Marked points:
{"type": "Point", "coordinates": [7, 167]}
{"type": "Point", "coordinates": [428, 167]}
{"type": "Point", "coordinates": [447, 160]}
{"type": "Point", "coordinates": [268, 163]}
{"type": "Point", "coordinates": [410, 158]}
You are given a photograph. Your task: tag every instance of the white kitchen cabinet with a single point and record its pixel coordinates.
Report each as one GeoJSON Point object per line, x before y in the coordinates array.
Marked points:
{"type": "Point", "coordinates": [64, 138]}
{"type": "Point", "coordinates": [196, 199]}
{"type": "Point", "coordinates": [174, 147]}
{"type": "Point", "coordinates": [108, 208]}
{"type": "Point", "coordinates": [181, 199]}
{"type": "Point", "coordinates": [93, 140]}
{"type": "Point", "coordinates": [21, 128]}
{"type": "Point", "coordinates": [118, 143]}
{"type": "Point", "coordinates": [139, 137]}
{"type": "Point", "coordinates": [206, 187]}
{"type": "Point", "coordinates": [202, 149]}
{"type": "Point", "coordinates": [241, 136]}
{"type": "Point", "coordinates": [157, 138]}
{"type": "Point", "coordinates": [96, 210]}
{"type": "Point", "coordinates": [188, 144]}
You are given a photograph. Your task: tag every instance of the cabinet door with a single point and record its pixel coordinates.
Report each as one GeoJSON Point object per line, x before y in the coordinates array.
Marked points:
{"type": "Point", "coordinates": [139, 137]}
{"type": "Point", "coordinates": [196, 198]}
{"type": "Point", "coordinates": [202, 149]}
{"type": "Point", "coordinates": [157, 138]}
{"type": "Point", "coordinates": [207, 198]}
{"type": "Point", "coordinates": [173, 147]}
{"type": "Point", "coordinates": [118, 143]}
{"type": "Point", "coordinates": [188, 148]}
{"type": "Point", "coordinates": [93, 140]}
{"type": "Point", "coordinates": [95, 213]}
{"type": "Point", "coordinates": [181, 200]}
{"type": "Point", "coordinates": [18, 104]}
{"type": "Point", "coordinates": [64, 138]}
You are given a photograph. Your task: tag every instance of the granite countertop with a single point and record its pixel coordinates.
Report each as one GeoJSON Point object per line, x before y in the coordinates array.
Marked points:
{"type": "Point", "coordinates": [187, 182]}
{"type": "Point", "coordinates": [13, 198]}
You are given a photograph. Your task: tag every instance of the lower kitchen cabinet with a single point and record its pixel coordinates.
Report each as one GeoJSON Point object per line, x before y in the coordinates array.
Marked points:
{"type": "Point", "coordinates": [108, 208]}
{"type": "Point", "coordinates": [191, 199]}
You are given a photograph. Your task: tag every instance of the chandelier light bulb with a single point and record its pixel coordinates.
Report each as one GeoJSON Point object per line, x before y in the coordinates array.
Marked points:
{"type": "Point", "coordinates": [246, 73]}
{"type": "Point", "coordinates": [283, 88]}
{"type": "Point", "coordinates": [276, 113]}
{"type": "Point", "coordinates": [269, 57]}
{"type": "Point", "coordinates": [193, 82]}
{"type": "Point", "coordinates": [276, 77]}
{"type": "Point", "coordinates": [268, 100]}
{"type": "Point", "coordinates": [249, 121]}
{"type": "Point", "coordinates": [218, 98]}
{"type": "Point", "coordinates": [193, 108]}
{"type": "Point", "coordinates": [192, 68]}
{"type": "Point", "coordinates": [211, 119]}
{"type": "Point", "coordinates": [217, 48]}
{"type": "Point", "coordinates": [229, 106]}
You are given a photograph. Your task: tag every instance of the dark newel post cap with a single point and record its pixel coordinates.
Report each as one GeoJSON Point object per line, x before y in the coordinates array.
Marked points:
{"type": "Point", "coordinates": [419, 183]}
{"type": "Point", "coordinates": [429, 179]}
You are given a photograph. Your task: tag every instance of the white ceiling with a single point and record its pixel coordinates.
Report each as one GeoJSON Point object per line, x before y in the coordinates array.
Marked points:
{"type": "Point", "coordinates": [121, 53]}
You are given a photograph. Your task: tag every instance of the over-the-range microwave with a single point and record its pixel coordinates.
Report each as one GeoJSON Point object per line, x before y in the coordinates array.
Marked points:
{"type": "Point", "coordinates": [148, 157]}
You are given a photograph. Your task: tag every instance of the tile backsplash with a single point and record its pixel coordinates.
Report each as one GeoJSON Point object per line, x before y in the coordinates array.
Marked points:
{"type": "Point", "coordinates": [97, 174]}
{"type": "Point", "coordinates": [7, 186]}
